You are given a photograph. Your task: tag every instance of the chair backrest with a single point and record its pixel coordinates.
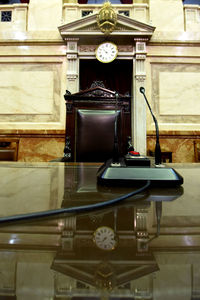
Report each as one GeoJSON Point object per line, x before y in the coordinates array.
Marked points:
{"type": "Point", "coordinates": [94, 134]}
{"type": "Point", "coordinates": [91, 120]}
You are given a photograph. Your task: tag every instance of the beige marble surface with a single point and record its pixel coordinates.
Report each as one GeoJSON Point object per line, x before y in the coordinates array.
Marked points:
{"type": "Point", "coordinates": [41, 180]}
{"type": "Point", "coordinates": [19, 85]}
{"type": "Point", "coordinates": [32, 93]}
{"type": "Point", "coordinates": [44, 15]}
{"type": "Point", "coordinates": [42, 183]}
{"type": "Point", "coordinates": [172, 18]}
{"type": "Point", "coordinates": [174, 95]}
{"type": "Point", "coordinates": [179, 93]}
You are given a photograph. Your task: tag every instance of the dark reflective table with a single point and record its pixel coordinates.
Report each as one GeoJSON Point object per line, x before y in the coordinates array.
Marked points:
{"type": "Point", "coordinates": [146, 247]}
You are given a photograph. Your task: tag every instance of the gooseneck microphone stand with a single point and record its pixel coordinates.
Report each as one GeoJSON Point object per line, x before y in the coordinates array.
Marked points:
{"type": "Point", "coordinates": [116, 141]}
{"type": "Point", "coordinates": [157, 146]}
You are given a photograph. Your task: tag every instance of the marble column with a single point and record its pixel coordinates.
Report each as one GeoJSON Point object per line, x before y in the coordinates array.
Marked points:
{"type": "Point", "coordinates": [142, 236]}
{"type": "Point", "coordinates": [68, 232]}
{"type": "Point", "coordinates": [72, 65]}
{"type": "Point", "coordinates": [139, 105]}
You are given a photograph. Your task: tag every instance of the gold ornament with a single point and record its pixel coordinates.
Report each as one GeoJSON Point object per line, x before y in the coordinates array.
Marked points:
{"type": "Point", "coordinates": [107, 18]}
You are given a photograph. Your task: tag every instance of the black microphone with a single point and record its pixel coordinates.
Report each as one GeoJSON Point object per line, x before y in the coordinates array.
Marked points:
{"type": "Point", "coordinates": [157, 147]}
{"type": "Point", "coordinates": [116, 141]}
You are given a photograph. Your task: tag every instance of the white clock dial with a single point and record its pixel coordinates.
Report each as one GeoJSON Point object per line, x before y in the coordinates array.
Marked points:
{"type": "Point", "coordinates": [106, 52]}
{"type": "Point", "coordinates": [104, 238]}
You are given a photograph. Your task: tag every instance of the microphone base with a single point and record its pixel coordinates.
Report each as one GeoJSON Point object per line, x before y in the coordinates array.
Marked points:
{"type": "Point", "coordinates": [124, 175]}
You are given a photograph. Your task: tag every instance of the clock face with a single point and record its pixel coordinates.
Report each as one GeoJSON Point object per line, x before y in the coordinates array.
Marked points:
{"type": "Point", "coordinates": [106, 52]}
{"type": "Point", "coordinates": [104, 238]}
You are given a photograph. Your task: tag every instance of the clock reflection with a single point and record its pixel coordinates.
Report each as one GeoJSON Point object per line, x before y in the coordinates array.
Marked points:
{"type": "Point", "coordinates": [110, 248]}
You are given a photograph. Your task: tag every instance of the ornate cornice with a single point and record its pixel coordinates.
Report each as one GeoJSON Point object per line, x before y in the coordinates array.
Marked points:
{"type": "Point", "coordinates": [88, 27]}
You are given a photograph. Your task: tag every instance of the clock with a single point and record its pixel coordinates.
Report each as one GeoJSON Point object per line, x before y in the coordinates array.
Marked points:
{"type": "Point", "coordinates": [104, 238]}
{"type": "Point", "coordinates": [106, 52]}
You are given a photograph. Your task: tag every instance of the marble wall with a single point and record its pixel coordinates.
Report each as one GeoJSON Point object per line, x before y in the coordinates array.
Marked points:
{"type": "Point", "coordinates": [181, 146]}
{"type": "Point", "coordinates": [33, 68]}
{"type": "Point", "coordinates": [172, 15]}
{"type": "Point", "coordinates": [175, 94]}
{"type": "Point", "coordinates": [43, 148]}
{"type": "Point", "coordinates": [31, 94]}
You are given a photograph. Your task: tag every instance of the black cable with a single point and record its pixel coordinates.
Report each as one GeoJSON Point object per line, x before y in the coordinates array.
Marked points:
{"type": "Point", "coordinates": [70, 210]}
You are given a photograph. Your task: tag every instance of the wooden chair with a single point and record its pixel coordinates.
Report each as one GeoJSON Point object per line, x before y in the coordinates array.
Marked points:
{"type": "Point", "coordinates": [90, 124]}
{"type": "Point", "coordinates": [9, 149]}
{"type": "Point", "coordinates": [196, 151]}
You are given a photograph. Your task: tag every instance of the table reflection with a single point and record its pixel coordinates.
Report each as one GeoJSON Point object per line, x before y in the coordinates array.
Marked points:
{"type": "Point", "coordinates": [130, 250]}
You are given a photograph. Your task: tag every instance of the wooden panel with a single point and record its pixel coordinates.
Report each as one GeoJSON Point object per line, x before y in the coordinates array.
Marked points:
{"type": "Point", "coordinates": [9, 149]}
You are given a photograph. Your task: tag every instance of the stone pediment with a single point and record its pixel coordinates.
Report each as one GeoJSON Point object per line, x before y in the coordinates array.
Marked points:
{"type": "Point", "coordinates": [94, 27]}
{"type": "Point", "coordinates": [87, 27]}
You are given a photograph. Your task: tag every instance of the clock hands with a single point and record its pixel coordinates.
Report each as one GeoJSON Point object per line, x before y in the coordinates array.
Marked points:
{"type": "Point", "coordinates": [104, 238]}
{"type": "Point", "coordinates": [106, 52]}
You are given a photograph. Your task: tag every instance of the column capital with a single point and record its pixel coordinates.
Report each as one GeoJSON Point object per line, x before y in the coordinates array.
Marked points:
{"type": "Point", "coordinates": [72, 45]}
{"type": "Point", "coordinates": [72, 56]}
{"type": "Point", "coordinates": [72, 77]}
{"type": "Point", "coordinates": [140, 78]}
{"type": "Point", "coordinates": [71, 39]}
{"type": "Point", "coordinates": [141, 39]}
{"type": "Point", "coordinates": [140, 46]}
{"type": "Point", "coordinates": [140, 56]}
